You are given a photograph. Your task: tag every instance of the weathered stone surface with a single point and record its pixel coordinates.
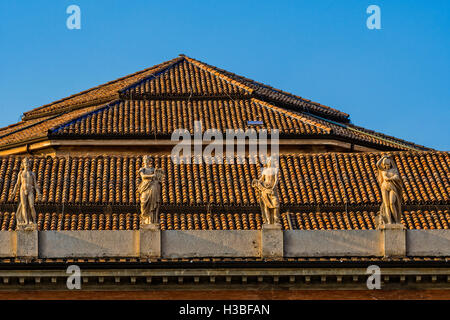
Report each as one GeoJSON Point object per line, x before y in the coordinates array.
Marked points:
{"type": "Point", "coordinates": [393, 240]}
{"type": "Point", "coordinates": [210, 243]}
{"type": "Point", "coordinates": [428, 242]}
{"type": "Point", "coordinates": [28, 188]}
{"type": "Point", "coordinates": [331, 243]}
{"type": "Point", "coordinates": [95, 243]}
{"type": "Point", "coordinates": [271, 241]}
{"type": "Point", "coordinates": [26, 244]}
{"type": "Point", "coordinates": [391, 187]}
{"type": "Point", "coordinates": [150, 241]}
{"type": "Point", "coordinates": [150, 193]}
{"type": "Point", "coordinates": [267, 193]}
{"type": "Point", "coordinates": [7, 243]}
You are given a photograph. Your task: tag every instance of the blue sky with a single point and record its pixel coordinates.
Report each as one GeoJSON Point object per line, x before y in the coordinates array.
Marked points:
{"type": "Point", "coordinates": [394, 80]}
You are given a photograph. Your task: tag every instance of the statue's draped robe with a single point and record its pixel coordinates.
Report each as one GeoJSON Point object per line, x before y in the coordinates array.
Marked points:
{"type": "Point", "coordinates": [268, 190]}
{"type": "Point", "coordinates": [150, 191]}
{"type": "Point", "coordinates": [391, 194]}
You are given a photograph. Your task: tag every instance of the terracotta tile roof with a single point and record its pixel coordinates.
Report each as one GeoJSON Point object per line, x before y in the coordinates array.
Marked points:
{"type": "Point", "coordinates": [195, 78]}
{"type": "Point", "coordinates": [383, 139]}
{"type": "Point", "coordinates": [81, 221]}
{"type": "Point", "coordinates": [211, 221]}
{"type": "Point", "coordinates": [184, 82]}
{"type": "Point", "coordinates": [185, 79]}
{"type": "Point", "coordinates": [20, 126]}
{"type": "Point", "coordinates": [96, 95]}
{"type": "Point", "coordinates": [352, 220]}
{"type": "Point", "coordinates": [182, 76]}
{"type": "Point", "coordinates": [313, 179]}
{"type": "Point", "coordinates": [275, 95]}
{"type": "Point", "coordinates": [415, 219]}
{"type": "Point", "coordinates": [139, 118]}
{"type": "Point", "coordinates": [38, 128]}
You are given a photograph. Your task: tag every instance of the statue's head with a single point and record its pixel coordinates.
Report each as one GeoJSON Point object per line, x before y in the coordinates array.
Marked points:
{"type": "Point", "coordinates": [26, 164]}
{"type": "Point", "coordinates": [147, 159]}
{"type": "Point", "coordinates": [268, 162]}
{"type": "Point", "coordinates": [387, 162]}
{"type": "Point", "coordinates": [271, 162]}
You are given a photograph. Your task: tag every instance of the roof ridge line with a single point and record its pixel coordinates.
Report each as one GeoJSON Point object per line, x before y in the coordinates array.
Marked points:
{"type": "Point", "coordinates": [222, 71]}
{"type": "Point", "coordinates": [31, 125]}
{"type": "Point", "coordinates": [174, 62]}
{"type": "Point", "coordinates": [292, 115]}
{"type": "Point", "coordinates": [359, 129]}
{"type": "Point", "coordinates": [218, 74]}
{"type": "Point", "coordinates": [84, 115]}
{"type": "Point", "coordinates": [365, 133]}
{"type": "Point", "coordinates": [96, 87]}
{"type": "Point", "coordinates": [12, 125]}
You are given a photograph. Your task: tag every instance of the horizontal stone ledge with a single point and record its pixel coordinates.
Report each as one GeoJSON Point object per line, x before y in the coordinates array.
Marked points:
{"type": "Point", "coordinates": [332, 243]}
{"type": "Point", "coordinates": [428, 243]}
{"type": "Point", "coordinates": [215, 243]}
{"type": "Point", "coordinates": [232, 272]}
{"type": "Point", "coordinates": [210, 243]}
{"type": "Point", "coordinates": [88, 244]}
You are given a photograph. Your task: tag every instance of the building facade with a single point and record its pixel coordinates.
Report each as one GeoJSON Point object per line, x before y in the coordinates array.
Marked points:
{"type": "Point", "coordinates": [86, 152]}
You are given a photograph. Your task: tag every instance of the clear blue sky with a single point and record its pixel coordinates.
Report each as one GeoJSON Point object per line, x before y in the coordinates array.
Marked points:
{"type": "Point", "coordinates": [394, 80]}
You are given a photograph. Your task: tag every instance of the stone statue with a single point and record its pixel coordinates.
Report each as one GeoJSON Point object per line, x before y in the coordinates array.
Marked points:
{"type": "Point", "coordinates": [28, 188]}
{"type": "Point", "coordinates": [150, 194]}
{"type": "Point", "coordinates": [391, 186]}
{"type": "Point", "coordinates": [267, 194]}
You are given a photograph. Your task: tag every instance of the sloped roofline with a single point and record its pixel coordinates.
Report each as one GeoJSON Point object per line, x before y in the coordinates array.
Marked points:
{"type": "Point", "coordinates": [35, 112]}
{"type": "Point", "coordinates": [251, 86]}
{"type": "Point", "coordinates": [247, 83]}
{"type": "Point", "coordinates": [308, 119]}
{"type": "Point", "coordinates": [297, 107]}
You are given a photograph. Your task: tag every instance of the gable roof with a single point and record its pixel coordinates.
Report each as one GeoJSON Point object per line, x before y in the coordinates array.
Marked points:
{"type": "Point", "coordinates": [193, 90]}
{"type": "Point", "coordinates": [180, 76]}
